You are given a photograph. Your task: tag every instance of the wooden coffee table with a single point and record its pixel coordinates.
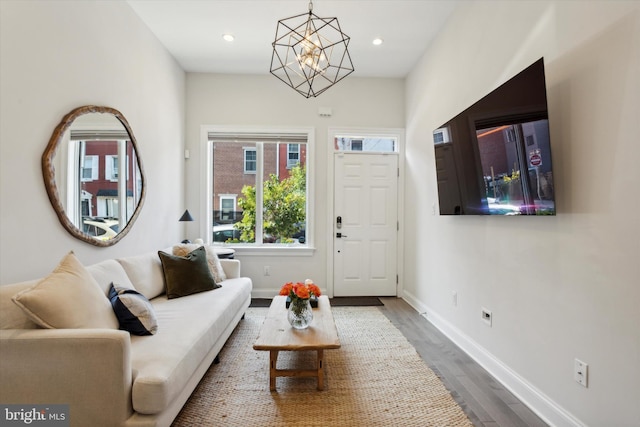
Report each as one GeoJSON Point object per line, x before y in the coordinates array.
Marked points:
{"type": "Point", "coordinates": [277, 335]}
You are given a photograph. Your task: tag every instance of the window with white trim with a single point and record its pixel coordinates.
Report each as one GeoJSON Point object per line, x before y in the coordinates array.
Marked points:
{"type": "Point", "coordinates": [272, 199]}
{"type": "Point", "coordinates": [293, 155]}
{"type": "Point", "coordinates": [111, 167]}
{"type": "Point", "coordinates": [250, 161]}
{"type": "Point", "coordinates": [227, 208]}
{"type": "Point", "coordinates": [89, 168]}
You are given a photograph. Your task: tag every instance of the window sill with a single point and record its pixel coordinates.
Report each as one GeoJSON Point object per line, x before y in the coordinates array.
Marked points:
{"type": "Point", "coordinates": [270, 250]}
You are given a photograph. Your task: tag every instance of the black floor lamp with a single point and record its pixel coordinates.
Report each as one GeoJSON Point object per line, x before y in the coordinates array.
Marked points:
{"type": "Point", "coordinates": [186, 216]}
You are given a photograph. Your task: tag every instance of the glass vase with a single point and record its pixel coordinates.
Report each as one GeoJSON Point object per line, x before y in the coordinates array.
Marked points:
{"type": "Point", "coordinates": [300, 314]}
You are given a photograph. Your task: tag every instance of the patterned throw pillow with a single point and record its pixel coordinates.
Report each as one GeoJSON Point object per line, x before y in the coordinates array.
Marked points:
{"type": "Point", "coordinates": [133, 310]}
{"type": "Point", "coordinates": [212, 259]}
{"type": "Point", "coordinates": [187, 275]}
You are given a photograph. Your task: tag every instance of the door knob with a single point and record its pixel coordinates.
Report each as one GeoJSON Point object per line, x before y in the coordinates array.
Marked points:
{"type": "Point", "coordinates": [340, 235]}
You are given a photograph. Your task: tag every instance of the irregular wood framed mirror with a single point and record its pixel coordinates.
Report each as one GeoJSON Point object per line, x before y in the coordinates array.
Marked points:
{"type": "Point", "coordinates": [96, 196]}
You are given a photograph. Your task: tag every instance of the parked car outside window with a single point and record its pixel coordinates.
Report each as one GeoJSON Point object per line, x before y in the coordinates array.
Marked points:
{"type": "Point", "coordinates": [224, 233]}
{"type": "Point", "coordinates": [101, 229]}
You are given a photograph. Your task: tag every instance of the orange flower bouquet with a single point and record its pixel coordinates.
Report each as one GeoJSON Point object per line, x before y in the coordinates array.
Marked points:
{"type": "Point", "coordinates": [300, 314]}
{"type": "Point", "coordinates": [304, 290]}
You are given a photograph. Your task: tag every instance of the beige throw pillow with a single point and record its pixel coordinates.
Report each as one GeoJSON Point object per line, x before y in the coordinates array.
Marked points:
{"type": "Point", "coordinates": [68, 298]}
{"type": "Point", "coordinates": [212, 259]}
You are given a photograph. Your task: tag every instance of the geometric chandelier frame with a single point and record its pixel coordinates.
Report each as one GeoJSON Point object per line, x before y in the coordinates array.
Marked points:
{"type": "Point", "coordinates": [310, 53]}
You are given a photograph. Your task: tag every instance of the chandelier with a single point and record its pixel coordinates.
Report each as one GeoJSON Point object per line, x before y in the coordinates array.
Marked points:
{"type": "Point", "coordinates": [310, 53]}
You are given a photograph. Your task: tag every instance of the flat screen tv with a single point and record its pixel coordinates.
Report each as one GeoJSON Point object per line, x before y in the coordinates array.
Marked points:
{"type": "Point", "coordinates": [494, 158]}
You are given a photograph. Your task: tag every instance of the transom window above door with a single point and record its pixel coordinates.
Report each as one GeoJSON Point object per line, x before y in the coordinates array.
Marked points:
{"type": "Point", "coordinates": [380, 144]}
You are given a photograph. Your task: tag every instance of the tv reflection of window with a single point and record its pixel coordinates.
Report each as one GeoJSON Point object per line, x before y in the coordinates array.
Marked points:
{"type": "Point", "coordinates": [516, 168]}
{"type": "Point", "coordinates": [494, 157]}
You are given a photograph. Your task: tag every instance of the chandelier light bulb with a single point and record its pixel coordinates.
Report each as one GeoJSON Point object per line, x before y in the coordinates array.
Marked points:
{"type": "Point", "coordinates": [311, 54]}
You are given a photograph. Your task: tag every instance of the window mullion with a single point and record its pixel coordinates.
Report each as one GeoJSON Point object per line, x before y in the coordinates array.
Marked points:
{"type": "Point", "coordinates": [122, 185]}
{"type": "Point", "coordinates": [259, 191]}
{"type": "Point", "coordinates": [75, 160]}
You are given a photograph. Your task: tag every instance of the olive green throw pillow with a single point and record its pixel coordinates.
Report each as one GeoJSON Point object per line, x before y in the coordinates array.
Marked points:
{"type": "Point", "coordinates": [186, 275]}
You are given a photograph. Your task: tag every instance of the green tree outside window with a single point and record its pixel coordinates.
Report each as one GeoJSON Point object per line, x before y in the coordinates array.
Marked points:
{"type": "Point", "coordinates": [284, 207]}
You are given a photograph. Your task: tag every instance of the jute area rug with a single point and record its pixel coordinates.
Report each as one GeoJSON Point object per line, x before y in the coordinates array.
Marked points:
{"type": "Point", "coordinates": [375, 379]}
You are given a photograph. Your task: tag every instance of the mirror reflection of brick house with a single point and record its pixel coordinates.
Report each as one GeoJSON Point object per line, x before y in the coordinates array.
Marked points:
{"type": "Point", "coordinates": [235, 165]}
{"type": "Point", "coordinates": [100, 170]}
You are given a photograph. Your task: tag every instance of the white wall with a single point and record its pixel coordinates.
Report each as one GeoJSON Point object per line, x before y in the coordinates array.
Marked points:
{"type": "Point", "coordinates": [559, 287]}
{"type": "Point", "coordinates": [580, 298]}
{"type": "Point", "coordinates": [56, 56]}
{"type": "Point", "coordinates": [266, 101]}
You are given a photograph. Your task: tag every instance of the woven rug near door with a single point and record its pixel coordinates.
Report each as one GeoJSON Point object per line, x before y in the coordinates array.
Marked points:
{"type": "Point", "coordinates": [375, 379]}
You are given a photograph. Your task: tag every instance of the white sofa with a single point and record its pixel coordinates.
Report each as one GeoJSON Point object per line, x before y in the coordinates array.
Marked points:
{"type": "Point", "coordinates": [107, 376]}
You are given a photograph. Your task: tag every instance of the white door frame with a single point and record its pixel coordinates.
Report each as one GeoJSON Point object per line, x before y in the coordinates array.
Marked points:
{"type": "Point", "coordinates": [397, 133]}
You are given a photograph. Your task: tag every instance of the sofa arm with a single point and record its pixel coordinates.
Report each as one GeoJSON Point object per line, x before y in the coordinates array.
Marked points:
{"type": "Point", "coordinates": [231, 268]}
{"type": "Point", "coordinates": [88, 369]}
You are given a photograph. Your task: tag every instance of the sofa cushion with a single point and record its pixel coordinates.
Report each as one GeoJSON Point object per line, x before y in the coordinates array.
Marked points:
{"type": "Point", "coordinates": [68, 298]}
{"type": "Point", "coordinates": [186, 275]}
{"type": "Point", "coordinates": [12, 316]}
{"type": "Point", "coordinates": [145, 273]}
{"type": "Point", "coordinates": [212, 259]}
{"type": "Point", "coordinates": [188, 329]}
{"type": "Point", "coordinates": [134, 312]}
{"type": "Point", "coordinates": [107, 272]}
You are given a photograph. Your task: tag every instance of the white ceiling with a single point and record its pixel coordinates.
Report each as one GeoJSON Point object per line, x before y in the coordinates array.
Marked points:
{"type": "Point", "coordinates": [192, 31]}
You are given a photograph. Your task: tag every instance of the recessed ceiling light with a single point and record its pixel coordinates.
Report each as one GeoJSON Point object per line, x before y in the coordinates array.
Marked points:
{"type": "Point", "coordinates": [377, 41]}
{"type": "Point", "coordinates": [228, 37]}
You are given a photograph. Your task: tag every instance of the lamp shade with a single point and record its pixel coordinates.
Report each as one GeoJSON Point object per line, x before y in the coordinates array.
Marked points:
{"type": "Point", "coordinates": [186, 216]}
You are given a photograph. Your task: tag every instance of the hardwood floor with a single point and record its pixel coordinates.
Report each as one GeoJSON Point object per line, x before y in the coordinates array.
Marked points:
{"type": "Point", "coordinates": [485, 401]}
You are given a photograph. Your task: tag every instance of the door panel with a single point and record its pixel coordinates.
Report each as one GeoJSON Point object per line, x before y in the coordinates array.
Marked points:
{"type": "Point", "coordinates": [365, 191]}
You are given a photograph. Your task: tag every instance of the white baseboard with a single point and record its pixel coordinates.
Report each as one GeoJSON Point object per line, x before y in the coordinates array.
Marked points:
{"type": "Point", "coordinates": [548, 410]}
{"type": "Point", "coordinates": [264, 293]}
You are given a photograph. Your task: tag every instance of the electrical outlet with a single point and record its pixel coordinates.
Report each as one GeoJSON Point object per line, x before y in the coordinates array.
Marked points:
{"type": "Point", "coordinates": [454, 298]}
{"type": "Point", "coordinates": [581, 372]}
{"type": "Point", "coordinates": [487, 317]}
{"type": "Point", "coordinates": [267, 270]}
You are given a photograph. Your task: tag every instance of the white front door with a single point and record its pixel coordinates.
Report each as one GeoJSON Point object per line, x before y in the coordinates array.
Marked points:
{"type": "Point", "coordinates": [365, 232]}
